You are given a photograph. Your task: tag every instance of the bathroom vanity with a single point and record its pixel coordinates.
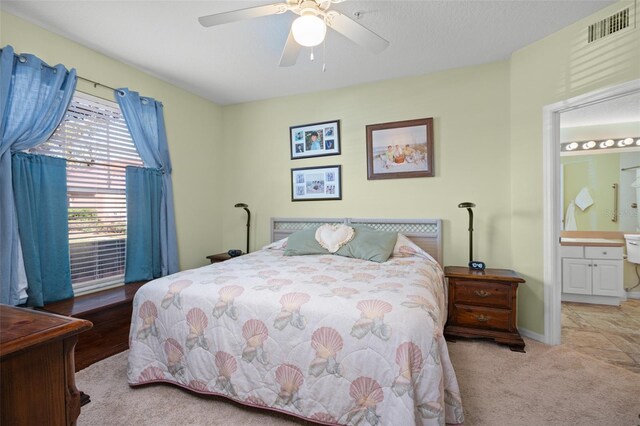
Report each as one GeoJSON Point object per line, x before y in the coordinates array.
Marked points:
{"type": "Point", "coordinates": [592, 270]}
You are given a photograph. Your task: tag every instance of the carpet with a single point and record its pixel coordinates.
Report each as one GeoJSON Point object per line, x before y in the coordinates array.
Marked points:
{"type": "Point", "coordinates": [549, 385]}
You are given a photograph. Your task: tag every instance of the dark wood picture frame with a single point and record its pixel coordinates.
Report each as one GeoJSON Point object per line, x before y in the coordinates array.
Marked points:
{"type": "Point", "coordinates": [400, 149]}
{"type": "Point", "coordinates": [316, 183]}
{"type": "Point", "coordinates": [326, 142]}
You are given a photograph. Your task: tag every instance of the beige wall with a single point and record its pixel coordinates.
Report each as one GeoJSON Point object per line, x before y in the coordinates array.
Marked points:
{"type": "Point", "coordinates": [488, 147]}
{"type": "Point", "coordinates": [193, 130]}
{"type": "Point", "coordinates": [597, 173]}
{"type": "Point", "coordinates": [488, 122]}
{"type": "Point", "coordinates": [470, 111]}
{"type": "Point", "coordinates": [556, 68]}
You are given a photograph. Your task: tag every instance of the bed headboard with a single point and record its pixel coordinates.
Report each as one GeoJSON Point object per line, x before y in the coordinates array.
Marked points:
{"type": "Point", "coordinates": [425, 233]}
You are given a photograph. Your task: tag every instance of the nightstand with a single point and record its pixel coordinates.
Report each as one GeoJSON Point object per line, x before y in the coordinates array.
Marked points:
{"type": "Point", "coordinates": [482, 304]}
{"type": "Point", "coordinates": [220, 257]}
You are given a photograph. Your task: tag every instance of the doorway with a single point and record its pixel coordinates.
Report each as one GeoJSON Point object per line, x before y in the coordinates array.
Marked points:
{"type": "Point", "coordinates": [553, 204]}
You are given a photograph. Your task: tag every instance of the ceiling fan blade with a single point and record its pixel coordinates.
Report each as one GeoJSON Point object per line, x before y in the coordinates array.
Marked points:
{"type": "Point", "coordinates": [290, 52]}
{"type": "Point", "coordinates": [356, 32]}
{"type": "Point", "coordinates": [239, 15]}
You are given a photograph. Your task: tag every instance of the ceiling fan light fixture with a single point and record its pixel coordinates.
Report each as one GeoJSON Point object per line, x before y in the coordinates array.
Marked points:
{"type": "Point", "coordinates": [309, 30]}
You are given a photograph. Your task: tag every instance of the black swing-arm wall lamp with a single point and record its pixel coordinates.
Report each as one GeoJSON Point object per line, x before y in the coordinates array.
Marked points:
{"type": "Point", "coordinates": [246, 208]}
{"type": "Point", "coordinates": [473, 264]}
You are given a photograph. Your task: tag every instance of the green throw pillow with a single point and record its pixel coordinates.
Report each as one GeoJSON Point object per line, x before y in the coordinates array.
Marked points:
{"type": "Point", "coordinates": [369, 244]}
{"type": "Point", "coordinates": [304, 242]}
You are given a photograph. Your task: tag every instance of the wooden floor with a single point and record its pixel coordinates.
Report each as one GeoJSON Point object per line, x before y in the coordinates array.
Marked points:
{"type": "Point", "coordinates": [609, 333]}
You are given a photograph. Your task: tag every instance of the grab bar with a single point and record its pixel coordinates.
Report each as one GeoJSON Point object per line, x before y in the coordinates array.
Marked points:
{"type": "Point", "coordinates": [615, 202]}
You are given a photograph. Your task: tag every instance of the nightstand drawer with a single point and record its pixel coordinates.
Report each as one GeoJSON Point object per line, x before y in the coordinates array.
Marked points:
{"type": "Point", "coordinates": [478, 317]}
{"type": "Point", "coordinates": [482, 293]}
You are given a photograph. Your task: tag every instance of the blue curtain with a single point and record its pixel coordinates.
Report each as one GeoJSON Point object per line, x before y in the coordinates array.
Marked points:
{"type": "Point", "coordinates": [145, 119]}
{"type": "Point", "coordinates": [40, 188]}
{"type": "Point", "coordinates": [33, 100]}
{"type": "Point", "coordinates": [144, 200]}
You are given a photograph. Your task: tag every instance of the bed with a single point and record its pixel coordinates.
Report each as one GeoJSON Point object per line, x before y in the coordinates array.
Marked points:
{"type": "Point", "coordinates": [327, 338]}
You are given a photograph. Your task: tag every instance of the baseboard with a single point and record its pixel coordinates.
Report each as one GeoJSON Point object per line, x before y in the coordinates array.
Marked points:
{"type": "Point", "coordinates": [633, 295]}
{"type": "Point", "coordinates": [598, 300]}
{"type": "Point", "coordinates": [531, 334]}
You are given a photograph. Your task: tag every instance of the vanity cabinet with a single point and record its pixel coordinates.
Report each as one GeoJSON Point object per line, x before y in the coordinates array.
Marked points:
{"type": "Point", "coordinates": [592, 274]}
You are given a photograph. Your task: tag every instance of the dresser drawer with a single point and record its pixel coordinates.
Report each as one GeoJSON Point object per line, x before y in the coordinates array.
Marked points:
{"type": "Point", "coordinates": [482, 293]}
{"type": "Point", "coordinates": [479, 317]}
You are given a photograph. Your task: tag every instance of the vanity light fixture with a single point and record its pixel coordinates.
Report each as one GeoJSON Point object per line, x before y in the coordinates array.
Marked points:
{"type": "Point", "coordinates": [597, 146]}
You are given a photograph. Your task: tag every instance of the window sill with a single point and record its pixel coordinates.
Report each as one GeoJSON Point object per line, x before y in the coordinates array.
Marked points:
{"type": "Point", "coordinates": [95, 302]}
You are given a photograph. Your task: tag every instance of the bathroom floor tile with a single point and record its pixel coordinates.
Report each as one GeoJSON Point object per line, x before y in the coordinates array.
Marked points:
{"type": "Point", "coordinates": [631, 307]}
{"type": "Point", "coordinates": [629, 343]}
{"type": "Point", "coordinates": [592, 339]}
{"type": "Point", "coordinates": [614, 323]}
{"type": "Point", "coordinates": [614, 357]}
{"type": "Point", "coordinates": [568, 320]}
{"type": "Point", "coordinates": [589, 308]}
{"type": "Point", "coordinates": [579, 320]}
{"type": "Point", "coordinates": [608, 333]}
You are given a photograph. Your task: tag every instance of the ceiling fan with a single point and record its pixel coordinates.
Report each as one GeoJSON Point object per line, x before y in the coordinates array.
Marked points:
{"type": "Point", "coordinates": [308, 29]}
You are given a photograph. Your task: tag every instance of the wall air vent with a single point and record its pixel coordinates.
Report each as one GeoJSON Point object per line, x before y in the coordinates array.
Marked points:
{"type": "Point", "coordinates": [610, 25]}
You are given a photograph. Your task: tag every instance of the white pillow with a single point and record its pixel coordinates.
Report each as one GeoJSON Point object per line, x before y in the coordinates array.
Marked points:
{"type": "Point", "coordinates": [332, 237]}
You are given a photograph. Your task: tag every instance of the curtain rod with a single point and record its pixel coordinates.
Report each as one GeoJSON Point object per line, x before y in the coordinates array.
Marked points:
{"type": "Point", "coordinates": [629, 168]}
{"type": "Point", "coordinates": [93, 163]}
{"type": "Point", "coordinates": [95, 83]}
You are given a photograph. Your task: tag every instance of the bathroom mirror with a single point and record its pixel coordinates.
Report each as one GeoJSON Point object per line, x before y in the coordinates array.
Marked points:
{"type": "Point", "coordinates": [600, 161]}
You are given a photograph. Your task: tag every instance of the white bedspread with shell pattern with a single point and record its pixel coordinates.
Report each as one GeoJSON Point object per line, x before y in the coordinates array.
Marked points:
{"type": "Point", "coordinates": [327, 338]}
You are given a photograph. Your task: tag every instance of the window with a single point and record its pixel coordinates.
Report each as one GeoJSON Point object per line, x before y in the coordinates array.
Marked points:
{"type": "Point", "coordinates": [94, 139]}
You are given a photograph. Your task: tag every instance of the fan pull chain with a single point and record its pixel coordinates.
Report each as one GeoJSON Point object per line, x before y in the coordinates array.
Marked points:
{"type": "Point", "coordinates": [324, 55]}
{"type": "Point", "coordinates": [311, 58]}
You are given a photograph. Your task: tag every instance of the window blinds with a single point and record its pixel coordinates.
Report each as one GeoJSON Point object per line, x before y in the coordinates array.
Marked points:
{"type": "Point", "coordinates": [94, 139]}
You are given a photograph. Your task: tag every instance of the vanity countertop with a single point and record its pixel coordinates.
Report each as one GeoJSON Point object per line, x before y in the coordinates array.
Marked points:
{"type": "Point", "coordinates": [598, 242]}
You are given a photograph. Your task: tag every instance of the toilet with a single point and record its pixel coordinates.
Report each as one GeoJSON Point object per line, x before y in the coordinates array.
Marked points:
{"type": "Point", "coordinates": [633, 247]}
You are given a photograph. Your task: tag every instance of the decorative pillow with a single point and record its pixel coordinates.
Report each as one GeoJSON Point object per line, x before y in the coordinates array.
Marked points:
{"type": "Point", "coordinates": [276, 245]}
{"type": "Point", "coordinates": [370, 244]}
{"type": "Point", "coordinates": [332, 237]}
{"type": "Point", "coordinates": [405, 247]}
{"type": "Point", "coordinates": [303, 242]}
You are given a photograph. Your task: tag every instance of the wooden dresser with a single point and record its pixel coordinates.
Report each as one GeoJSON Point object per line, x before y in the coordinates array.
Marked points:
{"type": "Point", "coordinates": [37, 368]}
{"type": "Point", "coordinates": [483, 304]}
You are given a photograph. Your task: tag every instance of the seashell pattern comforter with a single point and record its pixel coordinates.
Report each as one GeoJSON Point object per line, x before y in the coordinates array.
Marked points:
{"type": "Point", "coordinates": [331, 339]}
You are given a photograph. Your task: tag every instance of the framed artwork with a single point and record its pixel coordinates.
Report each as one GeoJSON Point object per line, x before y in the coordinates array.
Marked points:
{"type": "Point", "coordinates": [315, 140]}
{"type": "Point", "coordinates": [402, 149]}
{"type": "Point", "coordinates": [316, 183]}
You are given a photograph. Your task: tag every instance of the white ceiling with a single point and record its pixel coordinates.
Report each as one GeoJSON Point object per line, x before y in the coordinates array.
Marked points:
{"type": "Point", "coordinates": [238, 62]}
{"type": "Point", "coordinates": [624, 109]}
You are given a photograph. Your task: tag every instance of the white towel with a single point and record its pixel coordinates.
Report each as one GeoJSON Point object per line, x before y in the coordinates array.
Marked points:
{"type": "Point", "coordinates": [570, 218]}
{"type": "Point", "coordinates": [584, 200]}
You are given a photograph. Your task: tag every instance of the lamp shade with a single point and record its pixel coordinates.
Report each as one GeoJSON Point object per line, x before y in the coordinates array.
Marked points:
{"type": "Point", "coordinates": [308, 30]}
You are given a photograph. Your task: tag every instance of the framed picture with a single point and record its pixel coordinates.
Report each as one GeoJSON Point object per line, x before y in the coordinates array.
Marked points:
{"type": "Point", "coordinates": [315, 140]}
{"type": "Point", "coordinates": [402, 149]}
{"type": "Point", "coordinates": [316, 183]}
